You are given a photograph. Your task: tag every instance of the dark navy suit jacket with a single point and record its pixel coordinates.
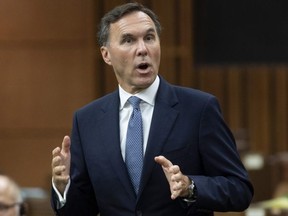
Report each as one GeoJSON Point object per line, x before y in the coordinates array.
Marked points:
{"type": "Point", "coordinates": [187, 128]}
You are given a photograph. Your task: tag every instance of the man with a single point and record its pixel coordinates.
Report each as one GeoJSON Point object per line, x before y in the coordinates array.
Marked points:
{"type": "Point", "coordinates": [190, 165]}
{"type": "Point", "coordinates": [10, 198]}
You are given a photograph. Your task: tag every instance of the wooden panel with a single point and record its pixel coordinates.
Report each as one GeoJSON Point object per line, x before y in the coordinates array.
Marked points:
{"type": "Point", "coordinates": [186, 38]}
{"type": "Point", "coordinates": [37, 85]}
{"type": "Point", "coordinates": [259, 109]}
{"type": "Point", "coordinates": [254, 102]}
{"type": "Point", "coordinates": [28, 160]}
{"type": "Point", "coordinates": [47, 71]}
{"type": "Point", "coordinates": [234, 99]}
{"type": "Point", "coordinates": [39, 20]}
{"type": "Point", "coordinates": [213, 80]}
{"type": "Point", "coordinates": [280, 126]}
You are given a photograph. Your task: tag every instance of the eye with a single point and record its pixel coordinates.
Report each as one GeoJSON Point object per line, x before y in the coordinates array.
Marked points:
{"type": "Point", "coordinates": [127, 40]}
{"type": "Point", "coordinates": [150, 37]}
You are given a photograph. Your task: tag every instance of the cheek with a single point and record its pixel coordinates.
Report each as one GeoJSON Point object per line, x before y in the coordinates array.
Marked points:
{"type": "Point", "coordinates": [157, 56]}
{"type": "Point", "coordinates": [125, 60]}
{"type": "Point", "coordinates": [156, 51]}
{"type": "Point", "coordinates": [120, 57]}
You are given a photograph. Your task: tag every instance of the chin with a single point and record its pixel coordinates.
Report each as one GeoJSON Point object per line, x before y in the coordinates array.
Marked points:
{"type": "Point", "coordinates": [146, 81]}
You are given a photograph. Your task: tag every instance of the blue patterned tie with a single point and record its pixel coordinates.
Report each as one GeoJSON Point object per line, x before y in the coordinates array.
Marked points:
{"type": "Point", "coordinates": [134, 144]}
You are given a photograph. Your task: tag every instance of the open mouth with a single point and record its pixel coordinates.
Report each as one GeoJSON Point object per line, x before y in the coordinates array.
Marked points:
{"type": "Point", "coordinates": [143, 66]}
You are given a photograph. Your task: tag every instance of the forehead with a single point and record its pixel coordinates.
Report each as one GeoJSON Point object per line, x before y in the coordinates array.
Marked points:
{"type": "Point", "coordinates": [132, 23]}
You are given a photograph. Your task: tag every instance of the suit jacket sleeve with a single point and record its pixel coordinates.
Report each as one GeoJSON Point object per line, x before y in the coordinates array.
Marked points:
{"type": "Point", "coordinates": [224, 185]}
{"type": "Point", "coordinates": [80, 197]}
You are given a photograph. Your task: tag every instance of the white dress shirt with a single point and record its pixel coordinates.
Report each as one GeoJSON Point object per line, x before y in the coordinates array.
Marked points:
{"type": "Point", "coordinates": [147, 103]}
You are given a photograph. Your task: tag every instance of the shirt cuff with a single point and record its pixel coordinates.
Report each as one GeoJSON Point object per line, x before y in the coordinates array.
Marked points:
{"type": "Point", "coordinates": [61, 199]}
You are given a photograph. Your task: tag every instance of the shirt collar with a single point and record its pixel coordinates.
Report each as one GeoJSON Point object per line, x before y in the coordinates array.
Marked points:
{"type": "Point", "coordinates": [148, 95]}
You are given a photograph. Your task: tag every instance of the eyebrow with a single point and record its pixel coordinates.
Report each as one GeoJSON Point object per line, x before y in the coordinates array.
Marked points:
{"type": "Point", "coordinates": [127, 35]}
{"type": "Point", "coordinates": [151, 30]}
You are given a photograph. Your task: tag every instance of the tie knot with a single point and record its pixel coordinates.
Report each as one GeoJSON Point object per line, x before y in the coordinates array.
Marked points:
{"type": "Point", "coordinates": [134, 101]}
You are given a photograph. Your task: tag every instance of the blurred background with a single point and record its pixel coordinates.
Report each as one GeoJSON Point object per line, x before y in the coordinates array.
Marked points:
{"type": "Point", "coordinates": [50, 66]}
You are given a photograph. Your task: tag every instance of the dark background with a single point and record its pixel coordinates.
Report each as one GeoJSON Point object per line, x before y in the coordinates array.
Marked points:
{"type": "Point", "coordinates": [241, 31]}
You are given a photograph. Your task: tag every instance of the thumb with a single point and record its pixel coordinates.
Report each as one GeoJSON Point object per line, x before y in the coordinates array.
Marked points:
{"type": "Point", "coordinates": [66, 145]}
{"type": "Point", "coordinates": [164, 162]}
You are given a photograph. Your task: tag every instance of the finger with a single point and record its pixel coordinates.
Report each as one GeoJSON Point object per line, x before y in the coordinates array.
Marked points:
{"type": "Point", "coordinates": [59, 170]}
{"type": "Point", "coordinates": [163, 161]}
{"type": "Point", "coordinates": [56, 161]}
{"type": "Point", "coordinates": [177, 186]}
{"type": "Point", "coordinates": [66, 144]}
{"type": "Point", "coordinates": [178, 176]}
{"type": "Point", "coordinates": [176, 190]}
{"type": "Point", "coordinates": [175, 169]}
{"type": "Point", "coordinates": [56, 152]}
{"type": "Point", "coordinates": [174, 195]}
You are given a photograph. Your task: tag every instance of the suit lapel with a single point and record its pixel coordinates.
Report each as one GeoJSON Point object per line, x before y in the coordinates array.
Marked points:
{"type": "Point", "coordinates": [111, 140]}
{"type": "Point", "coordinates": [164, 116]}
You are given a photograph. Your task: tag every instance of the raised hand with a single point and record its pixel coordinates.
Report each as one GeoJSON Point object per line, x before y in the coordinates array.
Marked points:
{"type": "Point", "coordinates": [178, 182]}
{"type": "Point", "coordinates": [61, 160]}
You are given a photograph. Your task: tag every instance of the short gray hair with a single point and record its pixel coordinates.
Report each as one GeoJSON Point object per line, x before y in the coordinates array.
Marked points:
{"type": "Point", "coordinates": [117, 13]}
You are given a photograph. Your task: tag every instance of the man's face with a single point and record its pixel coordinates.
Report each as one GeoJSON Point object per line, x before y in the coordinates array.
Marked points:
{"type": "Point", "coordinates": [133, 50]}
{"type": "Point", "coordinates": [7, 199]}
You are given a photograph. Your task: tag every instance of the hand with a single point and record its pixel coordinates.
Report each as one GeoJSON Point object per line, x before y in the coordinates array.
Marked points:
{"type": "Point", "coordinates": [61, 160]}
{"type": "Point", "coordinates": [178, 182]}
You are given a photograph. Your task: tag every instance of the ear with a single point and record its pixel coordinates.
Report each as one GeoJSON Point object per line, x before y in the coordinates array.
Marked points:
{"type": "Point", "coordinates": [105, 55]}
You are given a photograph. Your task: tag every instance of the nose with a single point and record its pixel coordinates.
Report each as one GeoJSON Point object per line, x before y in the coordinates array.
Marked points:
{"type": "Point", "coordinates": [141, 48]}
